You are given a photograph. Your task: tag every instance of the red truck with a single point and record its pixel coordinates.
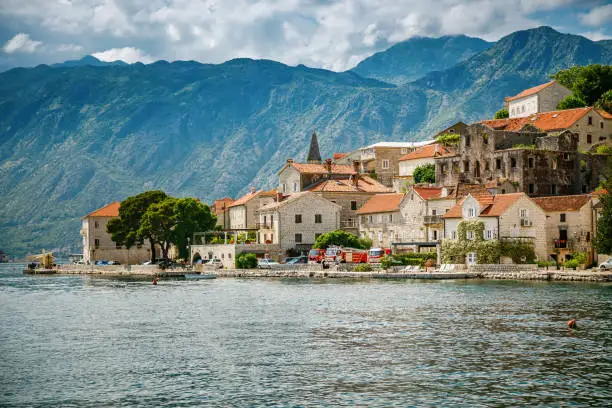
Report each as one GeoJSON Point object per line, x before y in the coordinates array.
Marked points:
{"type": "Point", "coordinates": [316, 255]}
{"type": "Point", "coordinates": [376, 254]}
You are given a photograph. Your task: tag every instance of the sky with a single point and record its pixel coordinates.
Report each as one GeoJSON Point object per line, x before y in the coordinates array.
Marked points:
{"type": "Point", "coordinates": [331, 34]}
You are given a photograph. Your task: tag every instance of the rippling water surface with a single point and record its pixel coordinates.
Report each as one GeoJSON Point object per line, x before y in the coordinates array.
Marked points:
{"type": "Point", "coordinates": [84, 341]}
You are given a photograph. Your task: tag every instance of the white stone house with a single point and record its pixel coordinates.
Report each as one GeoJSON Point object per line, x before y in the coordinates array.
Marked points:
{"type": "Point", "coordinates": [297, 220]}
{"type": "Point", "coordinates": [243, 213]}
{"type": "Point", "coordinates": [569, 225]}
{"type": "Point", "coordinates": [419, 157]}
{"type": "Point", "coordinates": [98, 245]}
{"type": "Point", "coordinates": [541, 98]}
{"type": "Point", "coordinates": [380, 219]}
{"type": "Point", "coordinates": [505, 216]}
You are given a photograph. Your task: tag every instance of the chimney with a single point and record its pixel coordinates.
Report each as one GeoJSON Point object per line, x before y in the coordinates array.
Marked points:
{"type": "Point", "coordinates": [355, 177]}
{"type": "Point", "coordinates": [279, 197]}
{"type": "Point", "coordinates": [328, 166]}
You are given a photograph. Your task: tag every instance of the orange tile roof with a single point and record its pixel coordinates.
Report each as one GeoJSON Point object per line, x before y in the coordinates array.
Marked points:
{"type": "Point", "coordinates": [562, 203]}
{"type": "Point", "coordinates": [110, 210]}
{"type": "Point", "coordinates": [604, 114]}
{"type": "Point", "coordinates": [529, 91]}
{"type": "Point", "coordinates": [245, 198]}
{"type": "Point", "coordinates": [490, 205]}
{"type": "Point", "coordinates": [599, 192]}
{"type": "Point", "coordinates": [428, 193]}
{"type": "Point", "coordinates": [345, 184]}
{"type": "Point", "coordinates": [381, 203]}
{"type": "Point", "coordinates": [221, 204]}
{"type": "Point", "coordinates": [500, 204]}
{"type": "Point", "coordinates": [432, 150]}
{"type": "Point", "coordinates": [546, 121]}
{"type": "Point", "coordinates": [338, 156]}
{"type": "Point", "coordinates": [310, 168]}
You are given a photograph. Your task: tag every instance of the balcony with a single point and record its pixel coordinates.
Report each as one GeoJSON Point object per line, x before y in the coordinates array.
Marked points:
{"type": "Point", "coordinates": [348, 224]}
{"type": "Point", "coordinates": [563, 244]}
{"type": "Point", "coordinates": [432, 219]}
{"type": "Point", "coordinates": [264, 225]}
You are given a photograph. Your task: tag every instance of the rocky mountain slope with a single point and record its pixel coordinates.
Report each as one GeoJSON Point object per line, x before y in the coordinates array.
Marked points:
{"type": "Point", "coordinates": [73, 138]}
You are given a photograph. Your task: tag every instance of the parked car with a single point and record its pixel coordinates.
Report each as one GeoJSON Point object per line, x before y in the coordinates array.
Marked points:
{"type": "Point", "coordinates": [215, 262]}
{"type": "Point", "coordinates": [101, 263]}
{"type": "Point", "coordinates": [607, 264]}
{"type": "Point", "coordinates": [266, 263]}
{"type": "Point", "coordinates": [114, 263]}
{"type": "Point", "coordinates": [298, 260]}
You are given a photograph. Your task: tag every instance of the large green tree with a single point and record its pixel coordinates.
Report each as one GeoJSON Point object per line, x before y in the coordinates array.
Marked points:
{"type": "Point", "coordinates": [341, 238]}
{"type": "Point", "coordinates": [588, 82]}
{"type": "Point", "coordinates": [571, 102]}
{"type": "Point", "coordinates": [502, 114]}
{"type": "Point", "coordinates": [157, 224]}
{"type": "Point", "coordinates": [605, 101]}
{"type": "Point", "coordinates": [603, 240]}
{"type": "Point", "coordinates": [125, 229]}
{"type": "Point", "coordinates": [190, 216]}
{"type": "Point", "coordinates": [425, 174]}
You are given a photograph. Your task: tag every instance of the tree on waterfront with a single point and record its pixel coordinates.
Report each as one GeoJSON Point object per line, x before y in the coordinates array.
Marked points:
{"type": "Point", "coordinates": [124, 230]}
{"type": "Point", "coordinates": [341, 238]}
{"type": "Point", "coordinates": [157, 224]}
{"type": "Point", "coordinates": [603, 240]}
{"type": "Point", "coordinates": [190, 216]}
{"type": "Point", "coordinates": [425, 174]}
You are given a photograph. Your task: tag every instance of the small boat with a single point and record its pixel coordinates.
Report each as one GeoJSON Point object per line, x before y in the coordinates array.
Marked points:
{"type": "Point", "coordinates": [200, 276]}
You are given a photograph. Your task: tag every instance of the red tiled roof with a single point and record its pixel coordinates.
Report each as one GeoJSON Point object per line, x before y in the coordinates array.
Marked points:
{"type": "Point", "coordinates": [562, 203]}
{"type": "Point", "coordinates": [221, 204]}
{"type": "Point", "coordinates": [110, 210]}
{"type": "Point", "coordinates": [546, 121]}
{"type": "Point", "coordinates": [599, 192]}
{"type": "Point", "coordinates": [432, 150]}
{"type": "Point", "coordinates": [604, 114]}
{"type": "Point", "coordinates": [245, 198]}
{"type": "Point", "coordinates": [490, 206]}
{"type": "Point", "coordinates": [500, 204]}
{"type": "Point", "coordinates": [529, 91]}
{"type": "Point", "coordinates": [345, 184]}
{"type": "Point", "coordinates": [381, 203]}
{"type": "Point", "coordinates": [310, 168]}
{"type": "Point", "coordinates": [338, 156]}
{"type": "Point", "coordinates": [428, 193]}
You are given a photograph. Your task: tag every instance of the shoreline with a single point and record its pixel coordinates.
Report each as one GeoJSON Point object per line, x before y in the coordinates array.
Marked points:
{"type": "Point", "coordinates": [311, 273]}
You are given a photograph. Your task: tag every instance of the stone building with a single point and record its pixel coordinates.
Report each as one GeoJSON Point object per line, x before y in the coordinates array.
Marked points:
{"type": "Point", "coordinates": [98, 245]}
{"type": "Point", "coordinates": [351, 193]}
{"type": "Point", "coordinates": [227, 252]}
{"type": "Point", "coordinates": [221, 210]}
{"type": "Point", "coordinates": [421, 156]}
{"type": "Point", "coordinates": [295, 222]}
{"type": "Point", "coordinates": [592, 126]}
{"type": "Point", "coordinates": [541, 98]}
{"type": "Point", "coordinates": [380, 219]}
{"type": "Point", "coordinates": [296, 177]}
{"type": "Point", "coordinates": [380, 160]}
{"type": "Point", "coordinates": [243, 213]}
{"type": "Point", "coordinates": [505, 217]}
{"type": "Point", "coordinates": [530, 161]}
{"type": "Point", "coordinates": [569, 225]}
{"type": "Point", "coordinates": [422, 210]}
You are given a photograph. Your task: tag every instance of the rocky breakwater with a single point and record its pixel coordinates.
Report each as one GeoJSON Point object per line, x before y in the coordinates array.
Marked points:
{"type": "Point", "coordinates": [120, 270]}
{"type": "Point", "coordinates": [532, 272]}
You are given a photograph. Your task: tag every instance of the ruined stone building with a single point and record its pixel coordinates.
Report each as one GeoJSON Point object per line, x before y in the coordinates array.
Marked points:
{"type": "Point", "coordinates": [521, 160]}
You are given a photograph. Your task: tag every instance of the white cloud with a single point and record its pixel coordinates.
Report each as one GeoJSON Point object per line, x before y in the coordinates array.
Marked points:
{"type": "Point", "coordinates": [331, 34]}
{"type": "Point", "coordinates": [126, 54]}
{"type": "Point", "coordinates": [595, 35]}
{"type": "Point", "coordinates": [597, 16]}
{"type": "Point", "coordinates": [21, 43]}
{"type": "Point", "coordinates": [69, 48]}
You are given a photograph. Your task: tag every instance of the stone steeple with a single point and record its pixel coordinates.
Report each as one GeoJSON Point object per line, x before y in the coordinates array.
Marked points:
{"type": "Point", "coordinates": [313, 153]}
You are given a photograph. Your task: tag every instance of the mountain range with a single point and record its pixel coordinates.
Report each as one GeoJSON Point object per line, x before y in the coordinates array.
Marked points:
{"type": "Point", "coordinates": [78, 135]}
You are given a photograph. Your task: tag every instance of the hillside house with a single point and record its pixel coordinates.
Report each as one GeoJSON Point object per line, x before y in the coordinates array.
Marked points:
{"type": "Point", "coordinates": [421, 156]}
{"type": "Point", "coordinates": [541, 98]}
{"type": "Point", "coordinates": [380, 219]}
{"type": "Point", "coordinates": [243, 213]}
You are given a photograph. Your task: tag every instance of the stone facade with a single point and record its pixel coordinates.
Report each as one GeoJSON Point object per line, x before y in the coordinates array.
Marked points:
{"type": "Point", "coordinates": [243, 213]}
{"type": "Point", "coordinates": [297, 221]}
{"type": "Point", "coordinates": [227, 252]}
{"type": "Point", "coordinates": [349, 203]}
{"type": "Point", "coordinates": [592, 130]}
{"type": "Point", "coordinates": [97, 243]}
{"type": "Point", "coordinates": [513, 216]}
{"type": "Point", "coordinates": [383, 228]}
{"type": "Point", "coordinates": [486, 155]}
{"type": "Point", "coordinates": [543, 98]}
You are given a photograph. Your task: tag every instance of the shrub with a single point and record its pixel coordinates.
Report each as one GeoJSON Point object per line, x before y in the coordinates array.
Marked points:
{"type": "Point", "coordinates": [521, 252]}
{"type": "Point", "coordinates": [571, 102]}
{"type": "Point", "coordinates": [581, 257]}
{"type": "Point", "coordinates": [545, 264]}
{"type": "Point", "coordinates": [502, 114]}
{"type": "Point", "coordinates": [449, 139]}
{"type": "Point", "coordinates": [364, 267]}
{"type": "Point", "coordinates": [425, 174]}
{"type": "Point", "coordinates": [341, 238]}
{"type": "Point", "coordinates": [415, 258]}
{"type": "Point", "coordinates": [246, 261]}
{"type": "Point", "coordinates": [386, 262]}
{"type": "Point", "coordinates": [603, 149]}
{"type": "Point", "coordinates": [572, 263]}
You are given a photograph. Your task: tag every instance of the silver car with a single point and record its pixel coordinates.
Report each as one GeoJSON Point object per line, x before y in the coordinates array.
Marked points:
{"type": "Point", "coordinates": [606, 264]}
{"type": "Point", "coordinates": [266, 263]}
